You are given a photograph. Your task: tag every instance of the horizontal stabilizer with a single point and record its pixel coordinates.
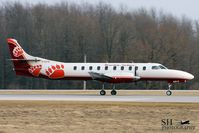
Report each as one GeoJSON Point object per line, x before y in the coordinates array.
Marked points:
{"type": "Point", "coordinates": [19, 69]}
{"type": "Point", "coordinates": [24, 59]}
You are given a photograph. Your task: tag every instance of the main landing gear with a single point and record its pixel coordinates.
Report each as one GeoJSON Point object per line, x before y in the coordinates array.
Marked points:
{"type": "Point", "coordinates": [103, 92]}
{"type": "Point", "coordinates": [169, 92]}
{"type": "Point", "coordinates": [113, 91]}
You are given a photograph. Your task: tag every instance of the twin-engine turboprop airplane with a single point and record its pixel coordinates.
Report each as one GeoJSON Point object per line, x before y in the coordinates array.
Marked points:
{"type": "Point", "coordinates": [28, 65]}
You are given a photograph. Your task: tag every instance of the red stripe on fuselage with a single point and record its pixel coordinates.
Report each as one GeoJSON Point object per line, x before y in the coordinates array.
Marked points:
{"type": "Point", "coordinates": [164, 79]}
{"type": "Point", "coordinates": [119, 79]}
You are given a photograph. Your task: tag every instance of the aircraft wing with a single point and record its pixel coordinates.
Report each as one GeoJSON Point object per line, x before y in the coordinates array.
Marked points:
{"type": "Point", "coordinates": [99, 76]}
{"type": "Point", "coordinates": [114, 77]}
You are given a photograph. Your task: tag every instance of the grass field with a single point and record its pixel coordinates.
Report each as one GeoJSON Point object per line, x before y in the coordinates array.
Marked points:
{"type": "Point", "coordinates": [89, 117]}
{"type": "Point", "coordinates": [98, 117]}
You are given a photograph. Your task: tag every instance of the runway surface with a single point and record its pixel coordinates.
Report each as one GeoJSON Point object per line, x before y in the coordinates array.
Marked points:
{"type": "Point", "coordinates": [75, 97]}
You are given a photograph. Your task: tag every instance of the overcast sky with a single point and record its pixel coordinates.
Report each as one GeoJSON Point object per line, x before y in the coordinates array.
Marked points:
{"type": "Point", "coordinates": [188, 8]}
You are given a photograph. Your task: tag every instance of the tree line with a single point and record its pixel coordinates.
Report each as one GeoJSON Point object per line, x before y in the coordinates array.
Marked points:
{"type": "Point", "coordinates": [66, 32]}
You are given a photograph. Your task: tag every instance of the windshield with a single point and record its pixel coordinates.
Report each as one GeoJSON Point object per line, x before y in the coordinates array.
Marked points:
{"type": "Point", "coordinates": [158, 67]}
{"type": "Point", "coordinates": [162, 67]}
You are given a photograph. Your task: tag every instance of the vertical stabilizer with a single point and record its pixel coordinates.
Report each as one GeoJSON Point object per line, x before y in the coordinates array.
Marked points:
{"type": "Point", "coordinates": [19, 57]}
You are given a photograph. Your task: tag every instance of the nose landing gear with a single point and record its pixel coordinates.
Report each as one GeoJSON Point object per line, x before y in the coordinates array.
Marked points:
{"type": "Point", "coordinates": [169, 92]}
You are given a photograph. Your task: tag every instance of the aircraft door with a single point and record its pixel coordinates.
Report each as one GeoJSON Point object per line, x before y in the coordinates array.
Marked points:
{"type": "Point", "coordinates": [135, 72]}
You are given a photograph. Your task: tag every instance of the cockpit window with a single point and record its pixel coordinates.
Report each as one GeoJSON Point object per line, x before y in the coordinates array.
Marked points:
{"type": "Point", "coordinates": [155, 67]}
{"type": "Point", "coordinates": [162, 67]}
{"type": "Point", "coordinates": [158, 67]}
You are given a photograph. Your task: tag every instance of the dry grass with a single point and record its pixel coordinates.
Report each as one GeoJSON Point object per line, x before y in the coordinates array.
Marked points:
{"type": "Point", "coordinates": [89, 117]}
{"type": "Point", "coordinates": [96, 92]}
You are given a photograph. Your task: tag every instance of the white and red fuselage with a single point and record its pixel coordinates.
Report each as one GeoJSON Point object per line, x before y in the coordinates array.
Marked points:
{"type": "Point", "coordinates": [28, 65]}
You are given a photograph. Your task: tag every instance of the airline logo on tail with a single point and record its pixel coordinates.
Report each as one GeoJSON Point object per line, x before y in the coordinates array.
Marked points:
{"type": "Point", "coordinates": [17, 51]}
{"type": "Point", "coordinates": [15, 48]}
{"type": "Point", "coordinates": [28, 65]}
{"type": "Point", "coordinates": [22, 61]}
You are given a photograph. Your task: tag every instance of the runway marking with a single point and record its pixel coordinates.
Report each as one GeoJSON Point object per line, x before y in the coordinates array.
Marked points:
{"type": "Point", "coordinates": [67, 97]}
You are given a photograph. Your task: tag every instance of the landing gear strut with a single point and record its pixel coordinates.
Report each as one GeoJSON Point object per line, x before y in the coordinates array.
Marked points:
{"type": "Point", "coordinates": [168, 92]}
{"type": "Point", "coordinates": [113, 92]}
{"type": "Point", "coordinates": [103, 92]}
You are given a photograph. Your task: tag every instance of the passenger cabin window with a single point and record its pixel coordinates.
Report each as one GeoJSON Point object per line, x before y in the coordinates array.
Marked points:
{"type": "Point", "coordinates": [75, 68]}
{"type": "Point", "coordinates": [83, 67]}
{"type": "Point", "coordinates": [114, 68]}
{"type": "Point", "coordinates": [130, 68]}
{"type": "Point", "coordinates": [98, 68]}
{"type": "Point", "coordinates": [144, 68]}
{"type": "Point", "coordinates": [106, 67]}
{"type": "Point", "coordinates": [122, 67]}
{"type": "Point", "coordinates": [90, 67]}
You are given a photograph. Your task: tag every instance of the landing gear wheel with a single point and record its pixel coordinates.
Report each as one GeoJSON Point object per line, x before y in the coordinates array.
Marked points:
{"type": "Point", "coordinates": [102, 92]}
{"type": "Point", "coordinates": [113, 92]}
{"type": "Point", "coordinates": [169, 93]}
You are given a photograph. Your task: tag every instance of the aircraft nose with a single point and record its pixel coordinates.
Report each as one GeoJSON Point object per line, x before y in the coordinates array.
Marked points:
{"type": "Point", "coordinates": [182, 74]}
{"type": "Point", "coordinates": [189, 76]}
